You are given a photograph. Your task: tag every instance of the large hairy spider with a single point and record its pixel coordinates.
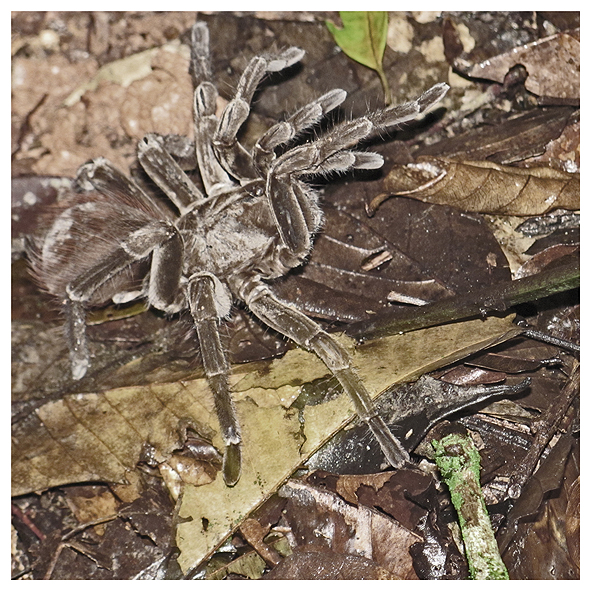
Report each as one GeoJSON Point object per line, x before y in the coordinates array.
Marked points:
{"type": "Point", "coordinates": [255, 222]}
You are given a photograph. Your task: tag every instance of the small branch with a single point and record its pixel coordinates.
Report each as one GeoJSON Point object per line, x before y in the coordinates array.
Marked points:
{"type": "Point", "coordinates": [17, 512]}
{"type": "Point", "coordinates": [458, 461]}
{"type": "Point", "coordinates": [479, 302]}
{"type": "Point", "coordinates": [545, 428]}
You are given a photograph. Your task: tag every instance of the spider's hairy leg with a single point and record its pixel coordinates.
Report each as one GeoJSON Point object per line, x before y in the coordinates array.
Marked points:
{"type": "Point", "coordinates": [167, 174]}
{"type": "Point", "coordinates": [305, 332]}
{"type": "Point", "coordinates": [165, 271]}
{"type": "Point", "coordinates": [232, 155]}
{"type": "Point", "coordinates": [332, 151]}
{"type": "Point", "coordinates": [205, 122]}
{"type": "Point", "coordinates": [77, 293]}
{"type": "Point", "coordinates": [159, 239]}
{"type": "Point", "coordinates": [105, 178]}
{"type": "Point", "coordinates": [181, 148]}
{"type": "Point", "coordinates": [200, 67]}
{"type": "Point", "coordinates": [301, 120]}
{"type": "Point", "coordinates": [395, 115]}
{"type": "Point", "coordinates": [76, 337]}
{"type": "Point", "coordinates": [286, 204]}
{"type": "Point", "coordinates": [289, 205]}
{"type": "Point", "coordinates": [206, 311]}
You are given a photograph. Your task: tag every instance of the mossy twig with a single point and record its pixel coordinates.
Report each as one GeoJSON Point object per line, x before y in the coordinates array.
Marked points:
{"type": "Point", "coordinates": [458, 461]}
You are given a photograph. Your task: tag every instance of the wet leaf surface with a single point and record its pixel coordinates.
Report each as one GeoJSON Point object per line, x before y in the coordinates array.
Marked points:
{"type": "Point", "coordinates": [387, 491]}
{"type": "Point", "coordinates": [510, 139]}
{"type": "Point", "coordinates": [116, 75]}
{"type": "Point", "coordinates": [317, 513]}
{"type": "Point", "coordinates": [319, 566]}
{"type": "Point", "coordinates": [550, 547]}
{"type": "Point", "coordinates": [410, 410]}
{"type": "Point", "coordinates": [425, 252]}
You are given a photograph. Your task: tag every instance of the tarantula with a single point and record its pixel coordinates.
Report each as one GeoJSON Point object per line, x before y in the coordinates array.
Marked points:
{"type": "Point", "coordinates": [254, 222]}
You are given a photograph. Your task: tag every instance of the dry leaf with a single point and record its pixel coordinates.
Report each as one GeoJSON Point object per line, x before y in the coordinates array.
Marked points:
{"type": "Point", "coordinates": [484, 187]}
{"type": "Point", "coordinates": [349, 529]}
{"type": "Point", "coordinates": [276, 442]}
{"type": "Point", "coordinates": [552, 63]}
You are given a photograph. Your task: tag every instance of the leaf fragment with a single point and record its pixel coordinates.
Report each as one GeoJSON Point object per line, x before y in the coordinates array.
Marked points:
{"type": "Point", "coordinates": [363, 38]}
{"type": "Point", "coordinates": [283, 443]}
{"type": "Point", "coordinates": [348, 528]}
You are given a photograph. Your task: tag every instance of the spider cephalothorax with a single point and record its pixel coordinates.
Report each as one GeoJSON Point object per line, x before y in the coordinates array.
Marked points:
{"type": "Point", "coordinates": [253, 222]}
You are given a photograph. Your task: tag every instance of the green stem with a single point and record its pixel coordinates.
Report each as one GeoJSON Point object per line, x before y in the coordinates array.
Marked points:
{"type": "Point", "coordinates": [387, 92]}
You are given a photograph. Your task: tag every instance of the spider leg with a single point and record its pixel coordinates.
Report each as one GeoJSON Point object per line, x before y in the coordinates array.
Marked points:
{"type": "Point", "coordinates": [234, 158]}
{"type": "Point", "coordinates": [295, 214]}
{"type": "Point", "coordinates": [283, 132]}
{"type": "Point", "coordinates": [181, 148]}
{"type": "Point", "coordinates": [331, 152]}
{"type": "Point", "coordinates": [161, 240]}
{"type": "Point", "coordinates": [305, 332]}
{"type": "Point", "coordinates": [200, 67]}
{"type": "Point", "coordinates": [162, 168]}
{"type": "Point", "coordinates": [395, 115]}
{"type": "Point", "coordinates": [214, 177]}
{"type": "Point", "coordinates": [76, 337]}
{"type": "Point", "coordinates": [105, 178]}
{"type": "Point", "coordinates": [206, 310]}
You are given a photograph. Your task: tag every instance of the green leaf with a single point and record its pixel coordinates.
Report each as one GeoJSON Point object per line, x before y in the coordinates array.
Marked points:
{"type": "Point", "coordinates": [363, 39]}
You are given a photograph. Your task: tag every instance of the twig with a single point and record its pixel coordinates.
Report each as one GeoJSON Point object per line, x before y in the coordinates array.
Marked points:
{"type": "Point", "coordinates": [20, 514]}
{"type": "Point", "coordinates": [479, 302]}
{"type": "Point", "coordinates": [545, 428]}
{"type": "Point", "coordinates": [459, 463]}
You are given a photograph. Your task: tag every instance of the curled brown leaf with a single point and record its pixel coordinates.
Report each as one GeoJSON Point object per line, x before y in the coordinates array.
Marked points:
{"type": "Point", "coordinates": [483, 186]}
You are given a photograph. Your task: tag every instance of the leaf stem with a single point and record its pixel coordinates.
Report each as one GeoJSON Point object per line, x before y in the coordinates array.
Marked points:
{"type": "Point", "coordinates": [386, 86]}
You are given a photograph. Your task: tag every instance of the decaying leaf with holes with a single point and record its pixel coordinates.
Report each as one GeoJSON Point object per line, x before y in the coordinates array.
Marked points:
{"type": "Point", "coordinates": [484, 187]}
{"type": "Point", "coordinates": [553, 66]}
